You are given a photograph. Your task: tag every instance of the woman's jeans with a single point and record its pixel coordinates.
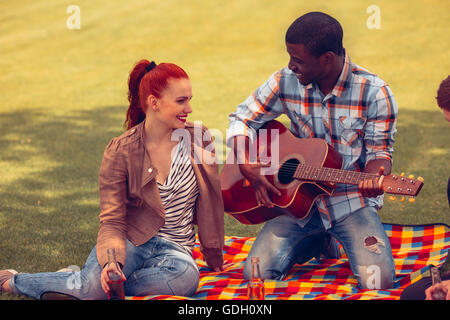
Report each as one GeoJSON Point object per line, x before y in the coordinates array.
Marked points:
{"type": "Point", "coordinates": [156, 267]}
{"type": "Point", "coordinates": [282, 243]}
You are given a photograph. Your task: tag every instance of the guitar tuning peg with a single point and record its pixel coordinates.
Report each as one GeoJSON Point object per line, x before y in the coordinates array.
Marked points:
{"type": "Point", "coordinates": [420, 179]}
{"type": "Point", "coordinates": [402, 199]}
{"type": "Point", "coordinates": [411, 176]}
{"type": "Point", "coordinates": [392, 198]}
{"type": "Point", "coordinates": [412, 200]}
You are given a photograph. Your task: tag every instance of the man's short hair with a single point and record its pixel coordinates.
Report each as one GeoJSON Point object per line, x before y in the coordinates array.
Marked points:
{"type": "Point", "coordinates": [318, 32]}
{"type": "Point", "coordinates": [443, 94]}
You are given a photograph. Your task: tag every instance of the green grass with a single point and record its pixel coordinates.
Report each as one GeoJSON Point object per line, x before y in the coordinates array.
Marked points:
{"type": "Point", "coordinates": [63, 96]}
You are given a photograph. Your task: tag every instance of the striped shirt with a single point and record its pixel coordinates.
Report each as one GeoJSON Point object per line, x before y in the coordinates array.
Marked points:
{"type": "Point", "coordinates": [179, 194]}
{"type": "Point", "coordinates": [357, 118]}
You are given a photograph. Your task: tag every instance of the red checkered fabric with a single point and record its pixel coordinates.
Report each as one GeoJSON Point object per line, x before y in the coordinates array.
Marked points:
{"type": "Point", "coordinates": [415, 249]}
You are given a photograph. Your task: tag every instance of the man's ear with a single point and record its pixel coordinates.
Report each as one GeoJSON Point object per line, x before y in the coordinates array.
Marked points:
{"type": "Point", "coordinates": [327, 58]}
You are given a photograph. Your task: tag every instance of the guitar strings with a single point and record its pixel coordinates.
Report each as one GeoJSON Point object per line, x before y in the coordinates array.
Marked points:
{"type": "Point", "coordinates": [288, 170]}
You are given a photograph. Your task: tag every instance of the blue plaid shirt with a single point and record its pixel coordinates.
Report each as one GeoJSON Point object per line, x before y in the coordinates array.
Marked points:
{"type": "Point", "coordinates": [358, 118]}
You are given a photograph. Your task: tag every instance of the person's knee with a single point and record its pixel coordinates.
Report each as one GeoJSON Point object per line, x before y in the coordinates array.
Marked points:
{"type": "Point", "coordinates": [376, 269]}
{"type": "Point", "coordinates": [90, 286]}
{"type": "Point", "coordinates": [185, 281]}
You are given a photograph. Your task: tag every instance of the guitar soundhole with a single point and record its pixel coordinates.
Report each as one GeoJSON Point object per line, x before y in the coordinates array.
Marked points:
{"type": "Point", "coordinates": [287, 170]}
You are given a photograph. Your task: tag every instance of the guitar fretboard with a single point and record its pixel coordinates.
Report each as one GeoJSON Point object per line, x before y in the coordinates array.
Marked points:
{"type": "Point", "coordinates": [304, 172]}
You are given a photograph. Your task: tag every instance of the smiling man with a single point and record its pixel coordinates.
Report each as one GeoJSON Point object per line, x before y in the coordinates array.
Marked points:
{"type": "Point", "coordinates": [325, 96]}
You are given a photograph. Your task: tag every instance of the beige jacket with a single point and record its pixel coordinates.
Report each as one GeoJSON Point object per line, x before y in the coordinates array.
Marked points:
{"type": "Point", "coordinates": [130, 204]}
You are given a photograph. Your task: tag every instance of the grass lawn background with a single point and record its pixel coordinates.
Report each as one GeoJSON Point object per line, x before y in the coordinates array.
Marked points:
{"type": "Point", "coordinates": [63, 97]}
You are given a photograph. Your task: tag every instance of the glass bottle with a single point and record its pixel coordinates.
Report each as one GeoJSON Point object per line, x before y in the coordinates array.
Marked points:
{"type": "Point", "coordinates": [255, 288]}
{"type": "Point", "coordinates": [116, 289]}
{"type": "Point", "coordinates": [438, 293]}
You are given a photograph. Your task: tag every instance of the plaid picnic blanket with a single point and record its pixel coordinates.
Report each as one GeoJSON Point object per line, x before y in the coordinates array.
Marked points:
{"type": "Point", "coordinates": [415, 249]}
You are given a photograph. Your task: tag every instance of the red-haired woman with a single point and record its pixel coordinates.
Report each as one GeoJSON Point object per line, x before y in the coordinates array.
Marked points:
{"type": "Point", "coordinates": [154, 185]}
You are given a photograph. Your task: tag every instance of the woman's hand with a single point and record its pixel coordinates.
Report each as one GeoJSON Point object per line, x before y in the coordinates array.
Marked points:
{"type": "Point", "coordinates": [443, 287]}
{"type": "Point", "coordinates": [104, 276]}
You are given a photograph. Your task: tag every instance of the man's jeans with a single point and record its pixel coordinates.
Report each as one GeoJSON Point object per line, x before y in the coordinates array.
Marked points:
{"type": "Point", "coordinates": [282, 243]}
{"type": "Point", "coordinates": [156, 267]}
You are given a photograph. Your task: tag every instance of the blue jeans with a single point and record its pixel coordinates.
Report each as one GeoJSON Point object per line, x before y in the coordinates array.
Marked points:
{"type": "Point", "coordinates": [282, 243]}
{"type": "Point", "coordinates": [156, 267]}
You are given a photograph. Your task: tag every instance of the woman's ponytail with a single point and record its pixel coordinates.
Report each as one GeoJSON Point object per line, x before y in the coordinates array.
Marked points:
{"type": "Point", "coordinates": [135, 114]}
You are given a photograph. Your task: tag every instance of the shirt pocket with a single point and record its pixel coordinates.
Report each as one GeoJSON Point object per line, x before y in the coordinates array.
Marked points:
{"type": "Point", "coordinates": [305, 125]}
{"type": "Point", "coordinates": [351, 131]}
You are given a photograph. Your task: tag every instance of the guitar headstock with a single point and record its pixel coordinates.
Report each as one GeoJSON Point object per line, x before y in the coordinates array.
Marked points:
{"type": "Point", "coordinates": [402, 185]}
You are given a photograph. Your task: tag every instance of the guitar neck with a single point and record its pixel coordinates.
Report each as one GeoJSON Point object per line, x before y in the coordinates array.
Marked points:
{"type": "Point", "coordinates": [305, 172]}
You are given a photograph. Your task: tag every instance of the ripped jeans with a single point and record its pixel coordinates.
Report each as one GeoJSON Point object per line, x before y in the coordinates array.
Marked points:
{"type": "Point", "coordinates": [158, 266]}
{"type": "Point", "coordinates": [282, 243]}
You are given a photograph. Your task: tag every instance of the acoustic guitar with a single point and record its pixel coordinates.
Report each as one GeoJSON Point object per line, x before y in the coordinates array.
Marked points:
{"type": "Point", "coordinates": [306, 169]}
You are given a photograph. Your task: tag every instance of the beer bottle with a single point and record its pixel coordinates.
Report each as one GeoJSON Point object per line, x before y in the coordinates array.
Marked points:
{"type": "Point", "coordinates": [116, 289]}
{"type": "Point", "coordinates": [255, 288]}
{"type": "Point", "coordinates": [438, 293]}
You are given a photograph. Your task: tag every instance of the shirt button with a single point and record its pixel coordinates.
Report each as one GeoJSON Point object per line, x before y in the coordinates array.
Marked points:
{"type": "Point", "coordinates": [150, 170]}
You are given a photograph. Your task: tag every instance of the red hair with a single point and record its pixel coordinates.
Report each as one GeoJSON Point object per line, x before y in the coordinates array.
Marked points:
{"type": "Point", "coordinates": [143, 83]}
